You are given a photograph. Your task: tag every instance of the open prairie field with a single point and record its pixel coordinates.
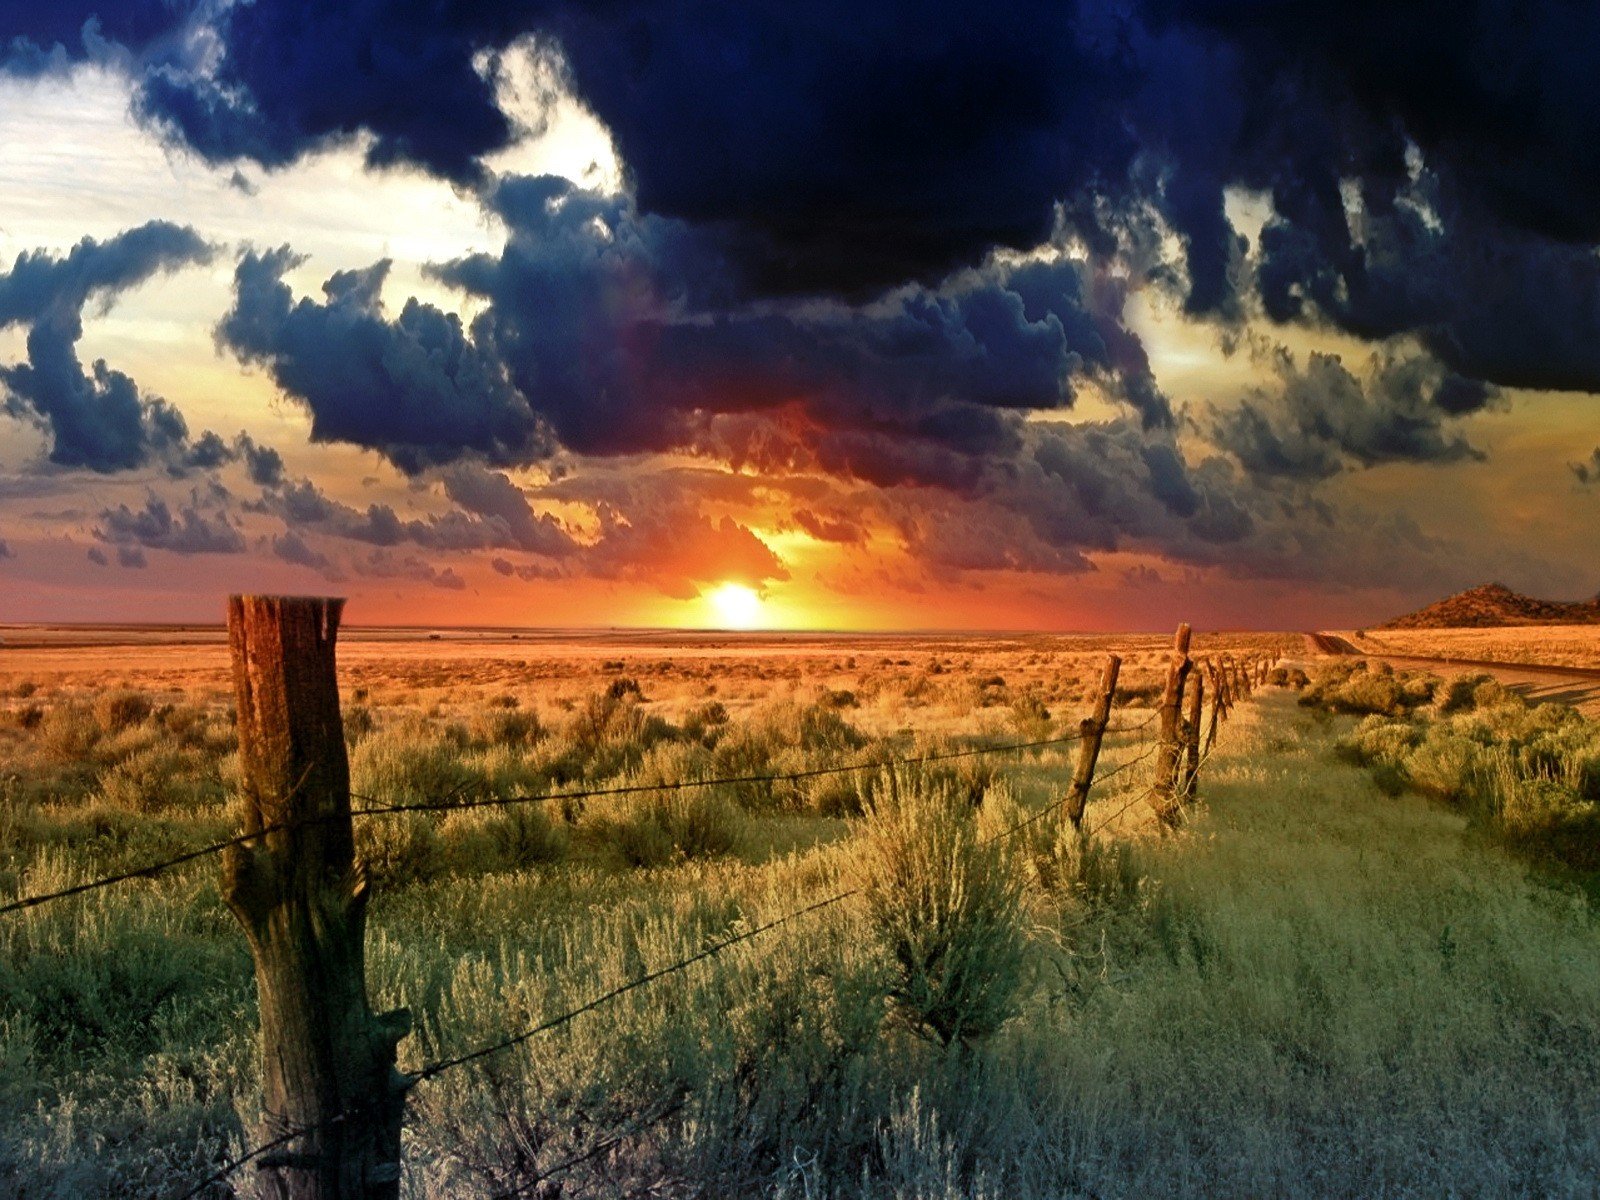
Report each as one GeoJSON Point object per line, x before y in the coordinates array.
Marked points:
{"type": "Point", "coordinates": [1546, 645]}
{"type": "Point", "coordinates": [1316, 983]}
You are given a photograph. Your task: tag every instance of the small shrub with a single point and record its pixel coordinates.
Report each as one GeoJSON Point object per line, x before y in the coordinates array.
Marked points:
{"type": "Point", "coordinates": [624, 687]}
{"type": "Point", "coordinates": [1381, 740]}
{"type": "Point", "coordinates": [1363, 689]}
{"type": "Point", "coordinates": [704, 722]}
{"type": "Point", "coordinates": [117, 711]}
{"type": "Point", "coordinates": [944, 909]}
{"type": "Point", "coordinates": [1547, 819]}
{"type": "Point", "coordinates": [358, 723]}
{"type": "Point", "coordinates": [822, 728]}
{"type": "Point", "coordinates": [508, 839]}
{"type": "Point", "coordinates": [1443, 765]}
{"type": "Point", "coordinates": [405, 763]}
{"type": "Point", "coordinates": [69, 732]}
{"type": "Point", "coordinates": [1030, 718]}
{"type": "Point", "coordinates": [155, 778]}
{"type": "Point", "coordinates": [606, 720]}
{"type": "Point", "coordinates": [1458, 694]}
{"type": "Point", "coordinates": [504, 727]}
{"type": "Point", "coordinates": [683, 823]}
{"type": "Point", "coordinates": [401, 848]}
{"type": "Point", "coordinates": [990, 691]}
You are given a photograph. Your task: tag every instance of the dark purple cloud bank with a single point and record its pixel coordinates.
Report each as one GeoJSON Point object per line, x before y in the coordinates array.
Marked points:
{"type": "Point", "coordinates": [841, 149]}
{"type": "Point", "coordinates": [802, 273]}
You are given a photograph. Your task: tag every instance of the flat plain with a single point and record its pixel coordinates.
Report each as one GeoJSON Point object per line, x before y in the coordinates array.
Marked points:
{"type": "Point", "coordinates": [1319, 983]}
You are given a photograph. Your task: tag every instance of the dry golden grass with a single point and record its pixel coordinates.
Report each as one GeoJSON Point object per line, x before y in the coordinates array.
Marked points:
{"type": "Point", "coordinates": [128, 1065]}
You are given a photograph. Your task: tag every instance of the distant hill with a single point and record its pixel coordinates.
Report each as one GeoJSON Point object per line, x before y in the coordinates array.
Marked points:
{"type": "Point", "coordinates": [1494, 604]}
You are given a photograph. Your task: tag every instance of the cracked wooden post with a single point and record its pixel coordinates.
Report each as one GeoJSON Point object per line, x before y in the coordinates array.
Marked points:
{"type": "Point", "coordinates": [1163, 797]}
{"type": "Point", "coordinates": [1191, 737]}
{"type": "Point", "coordinates": [328, 1060]}
{"type": "Point", "coordinates": [1091, 731]}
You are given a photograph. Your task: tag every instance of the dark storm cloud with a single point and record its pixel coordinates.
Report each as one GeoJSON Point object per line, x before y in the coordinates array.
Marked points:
{"type": "Point", "coordinates": [418, 388]}
{"type": "Point", "coordinates": [35, 37]}
{"type": "Point", "coordinates": [616, 328]}
{"type": "Point", "coordinates": [492, 496]}
{"type": "Point", "coordinates": [843, 149]}
{"type": "Point", "coordinates": [96, 418]}
{"type": "Point", "coordinates": [1320, 419]}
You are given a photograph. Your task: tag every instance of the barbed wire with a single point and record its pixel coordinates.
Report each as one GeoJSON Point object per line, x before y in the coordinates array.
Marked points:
{"type": "Point", "coordinates": [439, 1066]}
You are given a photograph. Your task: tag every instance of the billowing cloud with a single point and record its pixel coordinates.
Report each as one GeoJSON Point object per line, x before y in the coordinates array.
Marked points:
{"type": "Point", "coordinates": [1321, 418]}
{"type": "Point", "coordinates": [831, 528]}
{"type": "Point", "coordinates": [419, 389]}
{"type": "Point", "coordinates": [492, 496]}
{"type": "Point", "coordinates": [95, 418]}
{"type": "Point", "coordinates": [157, 526]}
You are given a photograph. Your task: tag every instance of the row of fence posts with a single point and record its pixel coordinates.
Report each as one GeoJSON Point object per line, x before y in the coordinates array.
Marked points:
{"type": "Point", "coordinates": [329, 1061]}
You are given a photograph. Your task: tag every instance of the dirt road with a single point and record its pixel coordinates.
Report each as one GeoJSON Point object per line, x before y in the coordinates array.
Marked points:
{"type": "Point", "coordinates": [1577, 686]}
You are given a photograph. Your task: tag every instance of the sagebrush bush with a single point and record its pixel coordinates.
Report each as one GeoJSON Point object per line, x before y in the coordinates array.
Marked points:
{"type": "Point", "coordinates": [118, 710]}
{"type": "Point", "coordinates": [1030, 717]}
{"type": "Point", "coordinates": [705, 722]}
{"type": "Point", "coordinates": [1360, 688]}
{"type": "Point", "coordinates": [943, 907]}
{"type": "Point", "coordinates": [401, 848]}
{"type": "Point", "coordinates": [506, 839]}
{"type": "Point", "coordinates": [1459, 692]}
{"type": "Point", "coordinates": [408, 762]}
{"type": "Point", "coordinates": [158, 777]}
{"type": "Point", "coordinates": [68, 732]}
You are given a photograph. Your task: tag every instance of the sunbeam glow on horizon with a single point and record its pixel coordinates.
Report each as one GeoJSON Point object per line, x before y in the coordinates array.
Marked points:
{"type": "Point", "coordinates": [736, 606]}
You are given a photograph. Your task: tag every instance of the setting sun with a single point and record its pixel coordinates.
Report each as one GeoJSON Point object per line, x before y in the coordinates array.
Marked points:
{"type": "Point", "coordinates": [736, 606]}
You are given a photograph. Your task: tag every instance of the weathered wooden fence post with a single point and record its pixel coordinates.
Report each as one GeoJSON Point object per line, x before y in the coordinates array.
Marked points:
{"type": "Point", "coordinates": [1091, 731]}
{"type": "Point", "coordinates": [1219, 703]}
{"type": "Point", "coordinates": [328, 1060]}
{"type": "Point", "coordinates": [1163, 796]}
{"type": "Point", "coordinates": [1191, 736]}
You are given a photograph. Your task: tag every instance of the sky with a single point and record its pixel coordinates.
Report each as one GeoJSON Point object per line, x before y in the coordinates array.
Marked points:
{"type": "Point", "coordinates": [1080, 315]}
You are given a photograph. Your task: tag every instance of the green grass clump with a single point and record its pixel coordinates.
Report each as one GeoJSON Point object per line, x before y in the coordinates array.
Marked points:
{"type": "Point", "coordinates": [1528, 775]}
